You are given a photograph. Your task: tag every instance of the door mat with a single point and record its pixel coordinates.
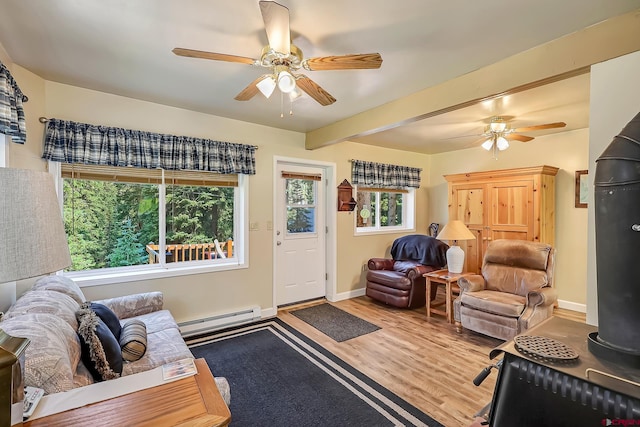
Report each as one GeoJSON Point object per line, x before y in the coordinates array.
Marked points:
{"type": "Point", "coordinates": [335, 323]}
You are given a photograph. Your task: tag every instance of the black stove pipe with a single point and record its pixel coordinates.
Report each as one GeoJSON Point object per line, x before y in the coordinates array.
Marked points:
{"type": "Point", "coordinates": [617, 220]}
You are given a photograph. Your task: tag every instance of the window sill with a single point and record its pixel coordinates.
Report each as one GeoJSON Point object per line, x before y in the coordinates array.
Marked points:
{"type": "Point", "coordinates": [394, 230]}
{"type": "Point", "coordinates": [98, 278]}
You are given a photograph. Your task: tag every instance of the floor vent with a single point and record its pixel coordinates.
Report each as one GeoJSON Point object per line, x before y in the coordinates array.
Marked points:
{"type": "Point", "coordinates": [210, 324]}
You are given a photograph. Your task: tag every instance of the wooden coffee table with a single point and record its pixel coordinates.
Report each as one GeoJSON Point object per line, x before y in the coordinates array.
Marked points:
{"type": "Point", "coordinates": [450, 280]}
{"type": "Point", "coordinates": [192, 401]}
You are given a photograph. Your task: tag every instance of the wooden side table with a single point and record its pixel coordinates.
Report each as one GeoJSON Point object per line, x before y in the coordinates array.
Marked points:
{"type": "Point", "coordinates": [192, 401]}
{"type": "Point", "coordinates": [450, 280]}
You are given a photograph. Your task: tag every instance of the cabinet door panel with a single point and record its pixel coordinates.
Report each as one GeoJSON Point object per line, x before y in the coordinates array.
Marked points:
{"type": "Point", "coordinates": [511, 214]}
{"type": "Point", "coordinates": [469, 204]}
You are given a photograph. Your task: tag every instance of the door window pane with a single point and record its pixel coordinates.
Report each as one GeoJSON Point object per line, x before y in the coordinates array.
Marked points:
{"type": "Point", "coordinates": [301, 208]}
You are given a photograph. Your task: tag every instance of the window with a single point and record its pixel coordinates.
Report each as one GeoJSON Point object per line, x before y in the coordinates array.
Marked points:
{"type": "Point", "coordinates": [301, 205]}
{"type": "Point", "coordinates": [132, 218]}
{"type": "Point", "coordinates": [380, 210]}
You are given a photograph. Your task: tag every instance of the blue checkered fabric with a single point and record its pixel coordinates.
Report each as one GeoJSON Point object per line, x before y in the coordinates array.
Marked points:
{"type": "Point", "coordinates": [71, 142]}
{"type": "Point", "coordinates": [381, 175]}
{"type": "Point", "coordinates": [12, 121]}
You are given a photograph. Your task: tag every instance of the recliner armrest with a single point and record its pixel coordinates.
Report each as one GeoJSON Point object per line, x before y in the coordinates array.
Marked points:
{"type": "Point", "coordinates": [418, 271]}
{"type": "Point", "coordinates": [471, 283]}
{"type": "Point", "coordinates": [380, 264]}
{"type": "Point", "coordinates": [542, 297]}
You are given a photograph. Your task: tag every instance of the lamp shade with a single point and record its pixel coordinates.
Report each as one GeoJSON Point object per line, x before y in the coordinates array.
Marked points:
{"type": "Point", "coordinates": [286, 82]}
{"type": "Point", "coordinates": [32, 233]}
{"type": "Point", "coordinates": [455, 230]}
{"type": "Point", "coordinates": [266, 86]}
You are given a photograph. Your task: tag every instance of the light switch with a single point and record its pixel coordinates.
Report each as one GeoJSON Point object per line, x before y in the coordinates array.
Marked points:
{"type": "Point", "coordinates": [254, 226]}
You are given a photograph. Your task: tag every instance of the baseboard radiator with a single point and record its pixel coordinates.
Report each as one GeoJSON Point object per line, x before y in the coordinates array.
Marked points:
{"type": "Point", "coordinates": [213, 323]}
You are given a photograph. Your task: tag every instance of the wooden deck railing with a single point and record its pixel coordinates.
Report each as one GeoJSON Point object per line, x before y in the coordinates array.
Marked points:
{"type": "Point", "coordinates": [191, 252]}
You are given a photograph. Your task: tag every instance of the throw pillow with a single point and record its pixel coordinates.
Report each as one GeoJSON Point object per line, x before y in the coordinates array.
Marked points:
{"type": "Point", "coordinates": [100, 348]}
{"type": "Point", "coordinates": [133, 340]}
{"type": "Point", "coordinates": [108, 317]}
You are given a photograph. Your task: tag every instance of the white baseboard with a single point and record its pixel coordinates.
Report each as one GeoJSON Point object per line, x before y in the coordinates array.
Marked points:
{"type": "Point", "coordinates": [569, 305]}
{"type": "Point", "coordinates": [269, 312]}
{"type": "Point", "coordinates": [346, 295]}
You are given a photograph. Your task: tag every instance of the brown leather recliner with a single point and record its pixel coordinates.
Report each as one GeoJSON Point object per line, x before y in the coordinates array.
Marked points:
{"type": "Point", "coordinates": [513, 293]}
{"type": "Point", "coordinates": [399, 281]}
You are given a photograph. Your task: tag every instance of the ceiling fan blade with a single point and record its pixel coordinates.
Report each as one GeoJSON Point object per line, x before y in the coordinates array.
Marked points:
{"type": "Point", "coordinates": [251, 90]}
{"type": "Point", "coordinates": [312, 89]}
{"type": "Point", "coordinates": [345, 62]}
{"type": "Point", "coordinates": [518, 137]}
{"type": "Point", "coordinates": [541, 127]}
{"type": "Point", "coordinates": [211, 55]}
{"type": "Point", "coordinates": [276, 24]}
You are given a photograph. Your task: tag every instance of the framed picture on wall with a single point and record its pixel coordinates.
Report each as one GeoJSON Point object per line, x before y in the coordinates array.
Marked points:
{"type": "Point", "coordinates": [582, 189]}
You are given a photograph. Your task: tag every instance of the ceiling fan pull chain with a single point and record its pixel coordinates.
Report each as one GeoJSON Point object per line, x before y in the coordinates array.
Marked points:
{"type": "Point", "coordinates": [281, 105]}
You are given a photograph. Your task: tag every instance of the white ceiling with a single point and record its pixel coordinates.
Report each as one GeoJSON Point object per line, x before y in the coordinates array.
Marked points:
{"type": "Point", "coordinates": [124, 47]}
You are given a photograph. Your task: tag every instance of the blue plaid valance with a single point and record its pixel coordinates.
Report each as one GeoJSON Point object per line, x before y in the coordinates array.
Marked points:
{"type": "Point", "coordinates": [71, 142]}
{"type": "Point", "coordinates": [380, 175]}
{"type": "Point", "coordinates": [12, 121]}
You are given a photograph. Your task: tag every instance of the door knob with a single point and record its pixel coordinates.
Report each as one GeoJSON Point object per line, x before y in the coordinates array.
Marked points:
{"type": "Point", "coordinates": [278, 243]}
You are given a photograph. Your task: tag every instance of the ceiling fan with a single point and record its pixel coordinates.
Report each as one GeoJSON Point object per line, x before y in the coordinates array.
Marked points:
{"type": "Point", "coordinates": [284, 59]}
{"type": "Point", "coordinates": [497, 134]}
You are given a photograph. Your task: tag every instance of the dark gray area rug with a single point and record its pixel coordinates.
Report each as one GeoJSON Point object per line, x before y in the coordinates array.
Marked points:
{"type": "Point", "coordinates": [335, 323]}
{"type": "Point", "coordinates": [279, 377]}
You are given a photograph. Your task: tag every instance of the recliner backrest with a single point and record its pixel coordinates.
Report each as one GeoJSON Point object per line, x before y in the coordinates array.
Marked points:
{"type": "Point", "coordinates": [517, 266]}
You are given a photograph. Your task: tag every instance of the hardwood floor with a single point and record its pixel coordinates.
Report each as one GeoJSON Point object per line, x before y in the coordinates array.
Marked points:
{"type": "Point", "coordinates": [425, 361]}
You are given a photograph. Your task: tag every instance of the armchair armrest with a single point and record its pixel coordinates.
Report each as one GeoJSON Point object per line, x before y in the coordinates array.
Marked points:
{"type": "Point", "coordinates": [542, 297]}
{"type": "Point", "coordinates": [134, 305]}
{"type": "Point", "coordinates": [539, 307]}
{"type": "Point", "coordinates": [418, 271]}
{"type": "Point", "coordinates": [472, 283]}
{"type": "Point", "coordinates": [380, 264]}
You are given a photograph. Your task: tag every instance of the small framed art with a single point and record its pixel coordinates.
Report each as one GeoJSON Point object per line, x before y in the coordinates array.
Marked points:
{"type": "Point", "coordinates": [582, 189]}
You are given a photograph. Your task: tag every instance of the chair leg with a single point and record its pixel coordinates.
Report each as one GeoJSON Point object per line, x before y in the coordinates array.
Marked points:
{"type": "Point", "coordinates": [458, 327]}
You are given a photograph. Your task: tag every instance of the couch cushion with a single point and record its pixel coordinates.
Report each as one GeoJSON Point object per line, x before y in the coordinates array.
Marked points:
{"type": "Point", "coordinates": [133, 340]}
{"type": "Point", "coordinates": [501, 303]}
{"type": "Point", "coordinates": [44, 301]}
{"type": "Point", "coordinates": [156, 321]}
{"type": "Point", "coordinates": [100, 350]}
{"type": "Point", "coordinates": [162, 347]}
{"type": "Point", "coordinates": [60, 284]}
{"type": "Point", "coordinates": [53, 355]}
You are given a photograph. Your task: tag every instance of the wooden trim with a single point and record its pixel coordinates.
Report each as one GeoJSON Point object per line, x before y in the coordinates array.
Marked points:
{"type": "Point", "coordinates": [503, 173]}
{"type": "Point", "coordinates": [300, 175]}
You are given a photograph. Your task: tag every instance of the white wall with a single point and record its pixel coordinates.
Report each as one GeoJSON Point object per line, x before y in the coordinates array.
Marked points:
{"type": "Point", "coordinates": [567, 151]}
{"type": "Point", "coordinates": [615, 100]}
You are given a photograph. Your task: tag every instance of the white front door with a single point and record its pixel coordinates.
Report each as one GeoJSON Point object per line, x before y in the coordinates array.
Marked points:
{"type": "Point", "coordinates": [300, 233]}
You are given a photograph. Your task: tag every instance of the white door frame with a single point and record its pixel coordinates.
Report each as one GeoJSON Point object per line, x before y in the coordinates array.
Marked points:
{"type": "Point", "coordinates": [331, 245]}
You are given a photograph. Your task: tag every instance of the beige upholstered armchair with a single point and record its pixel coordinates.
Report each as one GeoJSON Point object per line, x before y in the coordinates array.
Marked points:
{"type": "Point", "coordinates": [513, 293]}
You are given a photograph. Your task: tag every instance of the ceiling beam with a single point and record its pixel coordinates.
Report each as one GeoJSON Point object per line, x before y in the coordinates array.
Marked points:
{"type": "Point", "coordinates": [569, 55]}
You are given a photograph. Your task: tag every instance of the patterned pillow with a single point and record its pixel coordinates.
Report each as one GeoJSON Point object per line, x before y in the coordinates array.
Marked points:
{"type": "Point", "coordinates": [44, 301]}
{"type": "Point", "coordinates": [60, 284]}
{"type": "Point", "coordinates": [133, 340]}
{"type": "Point", "coordinates": [100, 349]}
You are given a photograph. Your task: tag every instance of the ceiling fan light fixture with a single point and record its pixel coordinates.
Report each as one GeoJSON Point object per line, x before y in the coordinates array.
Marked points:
{"type": "Point", "coordinates": [502, 143]}
{"type": "Point", "coordinates": [487, 144]}
{"type": "Point", "coordinates": [266, 86]}
{"type": "Point", "coordinates": [497, 125]}
{"type": "Point", "coordinates": [295, 94]}
{"type": "Point", "coordinates": [286, 82]}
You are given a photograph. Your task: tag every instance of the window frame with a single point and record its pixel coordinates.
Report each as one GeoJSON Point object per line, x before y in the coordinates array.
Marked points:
{"type": "Point", "coordinates": [408, 212]}
{"type": "Point", "coordinates": [114, 275]}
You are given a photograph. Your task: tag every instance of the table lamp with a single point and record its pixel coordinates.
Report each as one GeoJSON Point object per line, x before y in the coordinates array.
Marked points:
{"type": "Point", "coordinates": [455, 230]}
{"type": "Point", "coordinates": [34, 243]}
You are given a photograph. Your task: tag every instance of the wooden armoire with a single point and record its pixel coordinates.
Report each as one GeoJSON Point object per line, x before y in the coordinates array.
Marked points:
{"type": "Point", "coordinates": [503, 204]}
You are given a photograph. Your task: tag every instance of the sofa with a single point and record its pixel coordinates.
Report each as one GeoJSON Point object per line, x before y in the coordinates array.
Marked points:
{"type": "Point", "coordinates": [47, 315]}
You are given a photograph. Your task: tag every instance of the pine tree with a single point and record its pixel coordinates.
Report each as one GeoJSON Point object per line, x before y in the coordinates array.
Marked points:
{"type": "Point", "coordinates": [128, 249]}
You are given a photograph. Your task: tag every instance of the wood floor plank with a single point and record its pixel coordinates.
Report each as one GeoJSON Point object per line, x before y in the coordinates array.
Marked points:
{"type": "Point", "coordinates": [424, 361]}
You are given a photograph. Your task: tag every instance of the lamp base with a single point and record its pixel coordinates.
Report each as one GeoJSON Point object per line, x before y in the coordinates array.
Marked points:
{"type": "Point", "coordinates": [455, 259]}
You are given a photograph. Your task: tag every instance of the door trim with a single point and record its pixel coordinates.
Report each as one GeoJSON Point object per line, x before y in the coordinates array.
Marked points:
{"type": "Point", "coordinates": [331, 246]}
